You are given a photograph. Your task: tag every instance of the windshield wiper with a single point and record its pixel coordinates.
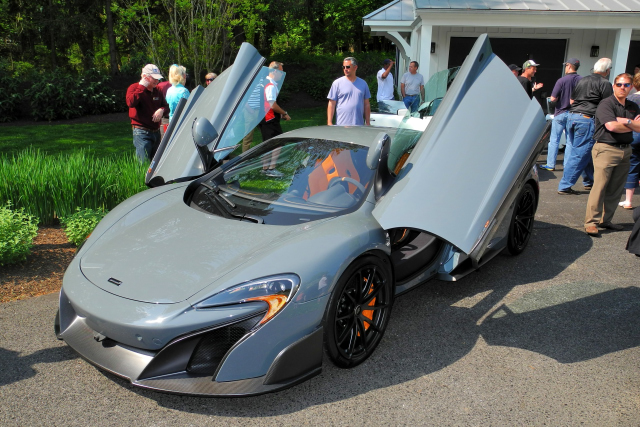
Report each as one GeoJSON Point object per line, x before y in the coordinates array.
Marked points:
{"type": "Point", "coordinates": [216, 192]}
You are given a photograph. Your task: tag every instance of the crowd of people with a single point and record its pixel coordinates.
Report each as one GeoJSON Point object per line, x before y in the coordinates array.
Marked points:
{"type": "Point", "coordinates": [601, 121]}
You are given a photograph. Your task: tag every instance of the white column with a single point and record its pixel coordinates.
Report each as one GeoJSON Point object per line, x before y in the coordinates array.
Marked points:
{"type": "Point", "coordinates": [425, 51]}
{"type": "Point", "coordinates": [620, 52]}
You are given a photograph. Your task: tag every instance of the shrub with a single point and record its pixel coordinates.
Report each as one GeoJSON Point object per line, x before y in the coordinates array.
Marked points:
{"type": "Point", "coordinates": [60, 96]}
{"type": "Point", "coordinates": [17, 231]}
{"type": "Point", "coordinates": [50, 186]}
{"type": "Point", "coordinates": [79, 225]}
{"type": "Point", "coordinates": [10, 99]}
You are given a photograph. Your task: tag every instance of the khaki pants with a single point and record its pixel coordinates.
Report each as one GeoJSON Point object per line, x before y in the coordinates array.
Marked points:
{"type": "Point", "coordinates": [247, 140]}
{"type": "Point", "coordinates": [251, 121]}
{"type": "Point", "coordinates": [611, 166]}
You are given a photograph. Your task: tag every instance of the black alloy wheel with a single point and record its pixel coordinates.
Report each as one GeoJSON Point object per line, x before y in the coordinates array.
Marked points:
{"type": "Point", "coordinates": [359, 311]}
{"type": "Point", "coordinates": [521, 225]}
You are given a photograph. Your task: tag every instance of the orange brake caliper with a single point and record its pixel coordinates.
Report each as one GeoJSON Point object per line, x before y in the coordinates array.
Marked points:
{"type": "Point", "coordinates": [368, 313]}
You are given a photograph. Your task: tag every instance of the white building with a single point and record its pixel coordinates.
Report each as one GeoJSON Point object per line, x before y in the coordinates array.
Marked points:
{"type": "Point", "coordinates": [439, 33]}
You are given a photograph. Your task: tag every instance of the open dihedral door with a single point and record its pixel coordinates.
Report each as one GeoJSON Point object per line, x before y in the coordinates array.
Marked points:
{"type": "Point", "coordinates": [219, 103]}
{"type": "Point", "coordinates": [482, 136]}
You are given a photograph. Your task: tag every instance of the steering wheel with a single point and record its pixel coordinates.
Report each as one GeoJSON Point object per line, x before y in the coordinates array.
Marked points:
{"type": "Point", "coordinates": [336, 179]}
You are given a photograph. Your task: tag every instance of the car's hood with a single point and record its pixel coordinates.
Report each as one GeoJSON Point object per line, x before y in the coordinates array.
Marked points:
{"type": "Point", "coordinates": [164, 251]}
{"type": "Point", "coordinates": [478, 143]}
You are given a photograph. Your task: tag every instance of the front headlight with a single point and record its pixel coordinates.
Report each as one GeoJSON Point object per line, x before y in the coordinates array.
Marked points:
{"type": "Point", "coordinates": [276, 291]}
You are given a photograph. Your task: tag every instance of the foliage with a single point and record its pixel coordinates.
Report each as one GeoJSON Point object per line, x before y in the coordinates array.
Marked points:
{"type": "Point", "coordinates": [64, 96]}
{"type": "Point", "coordinates": [53, 186]}
{"type": "Point", "coordinates": [79, 225]}
{"type": "Point", "coordinates": [77, 35]}
{"type": "Point", "coordinates": [10, 99]}
{"type": "Point", "coordinates": [17, 231]}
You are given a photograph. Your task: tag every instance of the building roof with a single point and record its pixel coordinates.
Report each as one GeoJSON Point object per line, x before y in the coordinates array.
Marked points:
{"type": "Point", "coordinates": [397, 10]}
{"type": "Point", "coordinates": [403, 10]}
{"type": "Point", "coordinates": [539, 5]}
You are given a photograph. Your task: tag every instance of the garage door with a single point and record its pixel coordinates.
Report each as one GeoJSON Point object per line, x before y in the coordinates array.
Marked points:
{"type": "Point", "coordinates": [549, 53]}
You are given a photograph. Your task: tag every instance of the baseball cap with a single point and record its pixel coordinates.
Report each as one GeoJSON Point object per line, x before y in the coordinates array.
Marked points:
{"type": "Point", "coordinates": [386, 62]}
{"type": "Point", "coordinates": [530, 63]}
{"type": "Point", "coordinates": [152, 71]}
{"type": "Point", "coordinates": [573, 61]}
{"type": "Point", "coordinates": [514, 67]}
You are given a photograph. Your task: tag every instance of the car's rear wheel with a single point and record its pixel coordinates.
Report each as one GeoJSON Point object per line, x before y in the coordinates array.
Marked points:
{"type": "Point", "coordinates": [358, 311]}
{"type": "Point", "coordinates": [521, 225]}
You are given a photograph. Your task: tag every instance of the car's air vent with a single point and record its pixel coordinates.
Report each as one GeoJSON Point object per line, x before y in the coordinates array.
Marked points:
{"type": "Point", "coordinates": [215, 344]}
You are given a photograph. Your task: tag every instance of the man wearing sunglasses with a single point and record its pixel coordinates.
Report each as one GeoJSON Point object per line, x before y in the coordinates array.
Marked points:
{"type": "Point", "coordinates": [349, 98]}
{"type": "Point", "coordinates": [585, 98]}
{"type": "Point", "coordinates": [616, 119]}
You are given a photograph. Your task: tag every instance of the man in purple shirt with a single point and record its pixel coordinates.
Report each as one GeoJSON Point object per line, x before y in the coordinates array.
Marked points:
{"type": "Point", "coordinates": [561, 95]}
{"type": "Point", "coordinates": [349, 98]}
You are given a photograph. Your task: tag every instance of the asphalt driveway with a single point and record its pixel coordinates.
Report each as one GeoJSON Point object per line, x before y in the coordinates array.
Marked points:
{"type": "Point", "coordinates": [550, 337]}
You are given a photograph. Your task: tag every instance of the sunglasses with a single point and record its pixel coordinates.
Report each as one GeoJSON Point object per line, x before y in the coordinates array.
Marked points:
{"type": "Point", "coordinates": [209, 80]}
{"type": "Point", "coordinates": [623, 84]}
{"type": "Point", "coordinates": [346, 67]}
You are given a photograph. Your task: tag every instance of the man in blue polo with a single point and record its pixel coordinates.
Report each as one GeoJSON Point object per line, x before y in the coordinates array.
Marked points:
{"type": "Point", "coordinates": [581, 124]}
{"type": "Point", "coordinates": [561, 95]}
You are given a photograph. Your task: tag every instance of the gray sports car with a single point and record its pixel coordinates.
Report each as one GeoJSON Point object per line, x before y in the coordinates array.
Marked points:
{"type": "Point", "coordinates": [231, 277]}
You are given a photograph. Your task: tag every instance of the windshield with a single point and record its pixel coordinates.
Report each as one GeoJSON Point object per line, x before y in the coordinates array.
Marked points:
{"type": "Point", "coordinates": [289, 181]}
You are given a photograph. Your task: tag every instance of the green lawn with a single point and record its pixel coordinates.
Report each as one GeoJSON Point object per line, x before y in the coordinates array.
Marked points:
{"type": "Point", "coordinates": [104, 139]}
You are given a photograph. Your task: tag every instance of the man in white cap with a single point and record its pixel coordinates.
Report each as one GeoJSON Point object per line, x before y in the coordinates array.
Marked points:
{"type": "Point", "coordinates": [146, 105]}
{"type": "Point", "coordinates": [529, 70]}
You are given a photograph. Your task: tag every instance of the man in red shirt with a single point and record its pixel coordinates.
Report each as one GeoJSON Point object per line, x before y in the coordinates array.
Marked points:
{"type": "Point", "coordinates": [146, 108]}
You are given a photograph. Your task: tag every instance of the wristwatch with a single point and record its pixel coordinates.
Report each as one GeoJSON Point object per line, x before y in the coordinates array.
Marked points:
{"type": "Point", "coordinates": [628, 121]}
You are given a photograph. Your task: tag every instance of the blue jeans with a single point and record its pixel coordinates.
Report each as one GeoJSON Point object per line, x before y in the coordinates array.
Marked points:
{"type": "Point", "coordinates": [577, 155]}
{"type": "Point", "coordinates": [412, 102]}
{"type": "Point", "coordinates": [146, 143]}
{"type": "Point", "coordinates": [634, 167]}
{"type": "Point", "coordinates": [558, 125]}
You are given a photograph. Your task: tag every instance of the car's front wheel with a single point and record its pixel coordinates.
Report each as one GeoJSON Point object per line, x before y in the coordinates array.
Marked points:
{"type": "Point", "coordinates": [521, 225]}
{"type": "Point", "coordinates": [358, 311]}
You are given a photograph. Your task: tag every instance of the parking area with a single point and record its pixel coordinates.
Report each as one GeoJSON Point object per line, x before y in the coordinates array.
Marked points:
{"type": "Point", "coordinates": [550, 337]}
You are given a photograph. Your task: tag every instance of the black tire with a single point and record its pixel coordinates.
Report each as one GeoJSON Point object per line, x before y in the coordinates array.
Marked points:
{"type": "Point", "coordinates": [521, 225]}
{"type": "Point", "coordinates": [351, 333]}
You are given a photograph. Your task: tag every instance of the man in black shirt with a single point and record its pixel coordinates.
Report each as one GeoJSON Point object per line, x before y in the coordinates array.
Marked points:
{"type": "Point", "coordinates": [616, 119]}
{"type": "Point", "coordinates": [580, 126]}
{"type": "Point", "coordinates": [529, 70]}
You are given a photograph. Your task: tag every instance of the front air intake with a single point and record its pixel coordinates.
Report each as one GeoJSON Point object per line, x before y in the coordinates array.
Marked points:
{"type": "Point", "coordinates": [214, 345]}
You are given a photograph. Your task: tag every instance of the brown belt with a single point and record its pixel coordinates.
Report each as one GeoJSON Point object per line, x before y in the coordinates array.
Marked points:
{"type": "Point", "coordinates": [144, 128]}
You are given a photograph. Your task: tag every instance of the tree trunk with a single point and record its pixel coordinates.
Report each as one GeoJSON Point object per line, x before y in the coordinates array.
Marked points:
{"type": "Point", "coordinates": [113, 61]}
{"type": "Point", "coordinates": [52, 34]}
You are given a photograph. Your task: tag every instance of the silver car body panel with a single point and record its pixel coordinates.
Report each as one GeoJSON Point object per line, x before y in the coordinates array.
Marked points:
{"type": "Point", "coordinates": [484, 103]}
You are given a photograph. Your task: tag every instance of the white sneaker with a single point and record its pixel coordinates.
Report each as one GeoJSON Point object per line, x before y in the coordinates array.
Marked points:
{"type": "Point", "coordinates": [625, 205]}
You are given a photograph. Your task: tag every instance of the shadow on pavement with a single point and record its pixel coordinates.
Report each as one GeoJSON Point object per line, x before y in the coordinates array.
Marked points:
{"type": "Point", "coordinates": [17, 368]}
{"type": "Point", "coordinates": [437, 324]}
{"type": "Point", "coordinates": [568, 323]}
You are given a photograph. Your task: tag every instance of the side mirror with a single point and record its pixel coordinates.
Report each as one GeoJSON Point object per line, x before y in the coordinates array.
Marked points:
{"type": "Point", "coordinates": [373, 157]}
{"type": "Point", "coordinates": [203, 132]}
